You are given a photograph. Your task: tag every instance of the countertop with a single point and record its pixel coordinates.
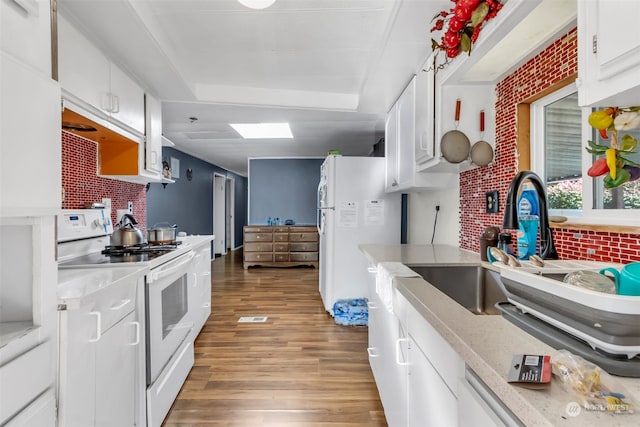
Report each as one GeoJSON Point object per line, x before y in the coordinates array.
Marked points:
{"type": "Point", "coordinates": [486, 343]}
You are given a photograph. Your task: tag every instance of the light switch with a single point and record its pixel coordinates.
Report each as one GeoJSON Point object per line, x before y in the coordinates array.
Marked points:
{"type": "Point", "coordinates": [492, 201]}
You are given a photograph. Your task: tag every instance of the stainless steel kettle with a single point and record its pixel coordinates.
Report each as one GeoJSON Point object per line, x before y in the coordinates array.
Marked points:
{"type": "Point", "coordinates": [126, 233]}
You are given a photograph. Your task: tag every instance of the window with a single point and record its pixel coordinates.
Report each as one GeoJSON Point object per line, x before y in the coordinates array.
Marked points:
{"type": "Point", "coordinates": [559, 133]}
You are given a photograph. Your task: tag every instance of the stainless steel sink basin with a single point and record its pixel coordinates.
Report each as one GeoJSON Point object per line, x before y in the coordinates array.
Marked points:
{"type": "Point", "coordinates": [475, 288]}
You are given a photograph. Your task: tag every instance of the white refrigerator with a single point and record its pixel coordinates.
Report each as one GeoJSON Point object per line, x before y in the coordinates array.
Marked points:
{"type": "Point", "coordinates": [353, 209]}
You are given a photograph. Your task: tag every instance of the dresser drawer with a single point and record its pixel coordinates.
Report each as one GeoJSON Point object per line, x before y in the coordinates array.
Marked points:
{"type": "Point", "coordinates": [257, 229]}
{"type": "Point", "coordinates": [258, 237]}
{"type": "Point", "coordinates": [280, 229]}
{"type": "Point", "coordinates": [258, 247]}
{"type": "Point", "coordinates": [303, 256]}
{"type": "Point", "coordinates": [281, 237]}
{"type": "Point", "coordinates": [303, 247]}
{"type": "Point", "coordinates": [281, 257]}
{"type": "Point", "coordinates": [281, 247]}
{"type": "Point", "coordinates": [258, 256]}
{"type": "Point", "coordinates": [298, 236]}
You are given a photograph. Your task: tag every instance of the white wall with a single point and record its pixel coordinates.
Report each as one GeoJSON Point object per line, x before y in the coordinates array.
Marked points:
{"type": "Point", "coordinates": [421, 214]}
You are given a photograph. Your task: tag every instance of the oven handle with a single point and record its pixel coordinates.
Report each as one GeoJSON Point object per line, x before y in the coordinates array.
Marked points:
{"type": "Point", "coordinates": [98, 325]}
{"type": "Point", "coordinates": [157, 275]}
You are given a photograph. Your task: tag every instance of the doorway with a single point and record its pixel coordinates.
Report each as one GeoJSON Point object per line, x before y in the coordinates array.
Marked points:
{"type": "Point", "coordinates": [230, 209]}
{"type": "Point", "coordinates": [219, 214]}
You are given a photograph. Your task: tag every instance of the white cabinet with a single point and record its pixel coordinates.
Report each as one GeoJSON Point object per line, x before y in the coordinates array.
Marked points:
{"type": "Point", "coordinates": [91, 79]}
{"type": "Point", "coordinates": [30, 154]}
{"type": "Point", "coordinates": [200, 292]}
{"type": "Point", "coordinates": [25, 32]}
{"type": "Point", "coordinates": [400, 136]}
{"type": "Point", "coordinates": [425, 97]}
{"type": "Point", "coordinates": [390, 376]}
{"type": "Point", "coordinates": [153, 140]}
{"type": "Point", "coordinates": [477, 405]}
{"type": "Point", "coordinates": [101, 356]}
{"type": "Point", "coordinates": [608, 53]}
{"type": "Point", "coordinates": [27, 318]}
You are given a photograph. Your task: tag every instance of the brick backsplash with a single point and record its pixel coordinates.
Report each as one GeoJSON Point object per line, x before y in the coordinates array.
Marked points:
{"type": "Point", "coordinates": [558, 61]}
{"type": "Point", "coordinates": [81, 184]}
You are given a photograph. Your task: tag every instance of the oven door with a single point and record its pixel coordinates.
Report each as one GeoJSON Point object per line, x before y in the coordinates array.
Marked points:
{"type": "Point", "coordinates": [168, 318]}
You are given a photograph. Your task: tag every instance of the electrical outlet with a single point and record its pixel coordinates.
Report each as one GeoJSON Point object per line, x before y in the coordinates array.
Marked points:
{"type": "Point", "coordinates": [130, 207]}
{"type": "Point", "coordinates": [591, 251]}
{"type": "Point", "coordinates": [492, 201]}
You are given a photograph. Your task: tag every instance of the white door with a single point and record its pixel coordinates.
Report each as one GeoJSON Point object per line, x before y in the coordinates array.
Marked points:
{"type": "Point", "coordinates": [219, 220]}
{"type": "Point", "coordinates": [116, 373]}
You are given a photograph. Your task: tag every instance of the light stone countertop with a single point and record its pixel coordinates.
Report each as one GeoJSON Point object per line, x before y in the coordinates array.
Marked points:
{"type": "Point", "coordinates": [487, 343]}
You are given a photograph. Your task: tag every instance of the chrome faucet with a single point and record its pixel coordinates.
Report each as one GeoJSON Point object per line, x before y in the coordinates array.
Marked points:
{"type": "Point", "coordinates": [510, 220]}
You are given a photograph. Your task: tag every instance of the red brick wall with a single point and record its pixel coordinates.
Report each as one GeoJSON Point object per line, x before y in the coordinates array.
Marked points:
{"type": "Point", "coordinates": [556, 62]}
{"type": "Point", "coordinates": [81, 184]}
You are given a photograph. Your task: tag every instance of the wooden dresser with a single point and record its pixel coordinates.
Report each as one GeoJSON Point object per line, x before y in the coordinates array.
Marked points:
{"type": "Point", "coordinates": [280, 246]}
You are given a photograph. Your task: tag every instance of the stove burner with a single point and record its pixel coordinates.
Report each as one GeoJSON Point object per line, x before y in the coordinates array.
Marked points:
{"type": "Point", "coordinates": [143, 248]}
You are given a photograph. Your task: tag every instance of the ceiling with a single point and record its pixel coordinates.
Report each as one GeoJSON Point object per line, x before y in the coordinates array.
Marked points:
{"type": "Point", "coordinates": [331, 68]}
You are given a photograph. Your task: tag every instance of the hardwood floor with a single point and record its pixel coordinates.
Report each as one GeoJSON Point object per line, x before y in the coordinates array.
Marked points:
{"type": "Point", "coordinates": [299, 368]}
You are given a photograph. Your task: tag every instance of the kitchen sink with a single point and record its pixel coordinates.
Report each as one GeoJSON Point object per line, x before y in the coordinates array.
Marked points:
{"type": "Point", "coordinates": [475, 288]}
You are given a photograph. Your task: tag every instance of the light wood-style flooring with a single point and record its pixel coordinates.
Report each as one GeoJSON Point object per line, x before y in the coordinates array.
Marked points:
{"type": "Point", "coordinates": [299, 368]}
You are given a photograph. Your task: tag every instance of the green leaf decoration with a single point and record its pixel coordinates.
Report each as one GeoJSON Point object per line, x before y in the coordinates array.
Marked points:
{"type": "Point", "coordinates": [622, 176]}
{"type": "Point", "coordinates": [465, 43]}
{"type": "Point", "coordinates": [479, 14]}
{"type": "Point", "coordinates": [434, 44]}
{"type": "Point", "coordinates": [597, 146]}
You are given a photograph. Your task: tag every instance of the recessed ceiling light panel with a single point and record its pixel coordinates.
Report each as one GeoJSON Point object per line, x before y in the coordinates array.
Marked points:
{"type": "Point", "coordinates": [262, 130]}
{"type": "Point", "coordinates": [257, 4]}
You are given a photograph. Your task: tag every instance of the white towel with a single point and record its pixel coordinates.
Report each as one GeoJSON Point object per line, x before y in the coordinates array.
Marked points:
{"type": "Point", "coordinates": [385, 274]}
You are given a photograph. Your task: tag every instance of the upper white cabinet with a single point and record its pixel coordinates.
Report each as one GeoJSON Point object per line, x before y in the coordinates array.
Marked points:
{"type": "Point", "coordinates": [400, 140]}
{"type": "Point", "coordinates": [88, 76]}
{"type": "Point", "coordinates": [608, 53]}
{"type": "Point", "coordinates": [425, 113]}
{"type": "Point", "coordinates": [153, 140]}
{"type": "Point", "coordinates": [30, 156]}
{"type": "Point", "coordinates": [25, 32]}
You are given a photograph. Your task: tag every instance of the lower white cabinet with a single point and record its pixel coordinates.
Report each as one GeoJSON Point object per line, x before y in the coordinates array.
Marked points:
{"type": "Point", "coordinates": [200, 282]}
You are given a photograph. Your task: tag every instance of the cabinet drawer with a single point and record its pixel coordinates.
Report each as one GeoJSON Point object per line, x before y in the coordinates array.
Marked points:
{"type": "Point", "coordinates": [258, 237]}
{"type": "Point", "coordinates": [280, 237]}
{"type": "Point", "coordinates": [281, 247]}
{"type": "Point", "coordinates": [258, 256]}
{"type": "Point", "coordinates": [258, 247]}
{"type": "Point", "coordinates": [304, 256]}
{"type": "Point", "coordinates": [280, 229]}
{"type": "Point", "coordinates": [303, 236]}
{"type": "Point", "coordinates": [257, 229]}
{"type": "Point", "coordinates": [304, 247]}
{"type": "Point", "coordinates": [284, 257]}
{"type": "Point", "coordinates": [23, 379]}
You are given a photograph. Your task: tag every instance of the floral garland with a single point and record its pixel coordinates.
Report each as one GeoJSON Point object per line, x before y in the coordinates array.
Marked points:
{"type": "Point", "coordinates": [464, 21]}
{"type": "Point", "coordinates": [615, 164]}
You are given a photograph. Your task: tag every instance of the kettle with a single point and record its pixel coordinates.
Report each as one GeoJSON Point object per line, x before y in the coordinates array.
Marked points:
{"type": "Point", "coordinates": [126, 233]}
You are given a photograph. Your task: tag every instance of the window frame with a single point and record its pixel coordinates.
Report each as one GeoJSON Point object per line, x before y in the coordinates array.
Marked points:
{"type": "Point", "coordinates": [588, 215]}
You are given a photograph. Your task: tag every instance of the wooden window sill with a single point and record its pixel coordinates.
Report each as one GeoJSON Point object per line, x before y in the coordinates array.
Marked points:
{"type": "Point", "coordinates": [624, 229]}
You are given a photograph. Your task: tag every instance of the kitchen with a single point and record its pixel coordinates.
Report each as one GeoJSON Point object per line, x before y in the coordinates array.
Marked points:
{"type": "Point", "coordinates": [573, 240]}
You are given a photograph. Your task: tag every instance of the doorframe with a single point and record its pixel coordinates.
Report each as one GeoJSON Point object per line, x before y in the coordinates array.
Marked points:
{"type": "Point", "coordinates": [219, 209]}
{"type": "Point", "coordinates": [230, 208]}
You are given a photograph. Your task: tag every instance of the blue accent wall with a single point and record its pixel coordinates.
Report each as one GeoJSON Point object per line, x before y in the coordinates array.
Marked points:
{"type": "Point", "coordinates": [283, 188]}
{"type": "Point", "coordinates": [189, 204]}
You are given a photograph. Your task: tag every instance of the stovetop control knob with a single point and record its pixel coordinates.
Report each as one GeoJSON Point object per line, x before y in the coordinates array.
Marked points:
{"type": "Point", "coordinates": [101, 222]}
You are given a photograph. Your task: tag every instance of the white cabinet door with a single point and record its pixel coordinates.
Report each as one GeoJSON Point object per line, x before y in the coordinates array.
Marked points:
{"type": "Point", "coordinates": [608, 52]}
{"type": "Point", "coordinates": [424, 117]}
{"type": "Point", "coordinates": [90, 76]}
{"type": "Point", "coordinates": [430, 401]}
{"type": "Point", "coordinates": [25, 32]}
{"type": "Point", "coordinates": [153, 140]}
{"type": "Point", "coordinates": [116, 356]}
{"type": "Point", "coordinates": [406, 134]}
{"type": "Point", "coordinates": [30, 155]}
{"type": "Point", "coordinates": [83, 69]}
{"type": "Point", "coordinates": [127, 99]}
{"type": "Point", "coordinates": [391, 149]}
